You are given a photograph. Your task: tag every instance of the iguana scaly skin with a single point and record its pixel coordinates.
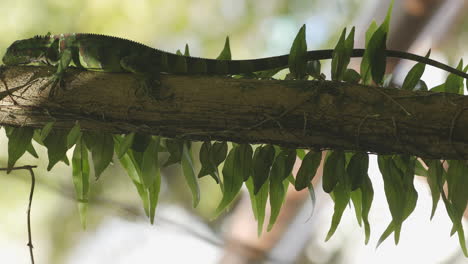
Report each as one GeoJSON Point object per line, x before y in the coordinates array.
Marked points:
{"type": "Point", "coordinates": [112, 54]}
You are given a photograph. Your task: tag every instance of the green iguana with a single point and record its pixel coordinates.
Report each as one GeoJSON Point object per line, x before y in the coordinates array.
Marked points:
{"type": "Point", "coordinates": [113, 54]}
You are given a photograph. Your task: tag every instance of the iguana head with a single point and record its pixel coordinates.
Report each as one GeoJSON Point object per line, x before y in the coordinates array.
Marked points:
{"type": "Point", "coordinates": [32, 50]}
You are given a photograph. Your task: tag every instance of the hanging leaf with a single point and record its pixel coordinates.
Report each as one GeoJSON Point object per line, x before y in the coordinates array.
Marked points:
{"type": "Point", "coordinates": [399, 190]}
{"type": "Point", "coordinates": [300, 153]}
{"type": "Point", "coordinates": [259, 202]}
{"type": "Point", "coordinates": [218, 152]}
{"type": "Point", "coordinates": [174, 147]}
{"type": "Point", "coordinates": [245, 160]}
{"type": "Point", "coordinates": [456, 217]}
{"type": "Point", "coordinates": [207, 165]}
{"type": "Point", "coordinates": [46, 130]}
{"type": "Point", "coordinates": [232, 179]}
{"type": "Point", "coordinates": [30, 149]}
{"type": "Point", "coordinates": [277, 190]}
{"type": "Point", "coordinates": [189, 174]}
{"type": "Point", "coordinates": [357, 169]}
{"type": "Point", "coordinates": [356, 198]}
{"type": "Point", "coordinates": [262, 161]}
{"type": "Point", "coordinates": [127, 142]}
{"type": "Point", "coordinates": [140, 142]}
{"type": "Point", "coordinates": [101, 146]}
{"type": "Point", "coordinates": [435, 179]}
{"type": "Point", "coordinates": [74, 135]}
{"type": "Point", "coordinates": [341, 194]}
{"type": "Point", "coordinates": [333, 170]}
{"type": "Point", "coordinates": [308, 169]}
{"type": "Point", "coordinates": [80, 169]}
{"type": "Point", "coordinates": [313, 199]}
{"type": "Point", "coordinates": [456, 185]}
{"type": "Point", "coordinates": [56, 144]}
{"type": "Point", "coordinates": [155, 187]}
{"type": "Point", "coordinates": [149, 168]}
{"type": "Point", "coordinates": [298, 55]}
{"type": "Point", "coordinates": [367, 196]}
{"type": "Point", "coordinates": [414, 75]}
{"type": "Point", "coordinates": [129, 164]}
{"type": "Point", "coordinates": [19, 139]}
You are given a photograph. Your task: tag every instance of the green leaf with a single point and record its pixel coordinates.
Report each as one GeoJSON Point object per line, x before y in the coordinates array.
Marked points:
{"type": "Point", "coordinates": [101, 146]}
{"type": "Point", "coordinates": [155, 187]}
{"type": "Point", "coordinates": [140, 142]}
{"type": "Point", "coordinates": [341, 194]}
{"type": "Point", "coordinates": [314, 69]}
{"type": "Point", "coordinates": [74, 135]}
{"type": "Point", "coordinates": [232, 178]}
{"type": "Point", "coordinates": [341, 55]}
{"type": "Point", "coordinates": [19, 139]}
{"type": "Point", "coordinates": [130, 165]}
{"type": "Point", "coordinates": [351, 76]}
{"type": "Point", "coordinates": [333, 170]}
{"type": "Point", "coordinates": [375, 58]}
{"type": "Point", "coordinates": [56, 144]}
{"type": "Point", "coordinates": [262, 161]}
{"type": "Point", "coordinates": [457, 181]}
{"type": "Point", "coordinates": [187, 51]}
{"type": "Point", "coordinates": [414, 75]}
{"type": "Point", "coordinates": [398, 175]}
{"type": "Point", "coordinates": [298, 55]}
{"type": "Point", "coordinates": [30, 149]}
{"type": "Point", "coordinates": [313, 198]}
{"type": "Point", "coordinates": [435, 179]}
{"type": "Point", "coordinates": [189, 174]}
{"type": "Point", "coordinates": [210, 158]}
{"type": "Point", "coordinates": [300, 153]}
{"type": "Point", "coordinates": [174, 147]}
{"type": "Point", "coordinates": [356, 198]}
{"type": "Point", "coordinates": [218, 152]}
{"type": "Point", "coordinates": [245, 160]}
{"type": "Point", "coordinates": [376, 52]}
{"type": "Point", "coordinates": [46, 130]}
{"type": "Point", "coordinates": [357, 169]}
{"type": "Point", "coordinates": [80, 169]}
{"type": "Point", "coordinates": [367, 197]}
{"type": "Point", "coordinates": [308, 169]}
{"type": "Point", "coordinates": [207, 165]}
{"type": "Point", "coordinates": [149, 164]}
{"type": "Point", "coordinates": [127, 142]}
{"type": "Point", "coordinates": [454, 83]}
{"type": "Point", "coordinates": [226, 52]}
{"type": "Point", "coordinates": [277, 190]}
{"type": "Point", "coordinates": [259, 202]}
{"type": "Point", "coordinates": [456, 217]}
{"type": "Point", "coordinates": [365, 70]}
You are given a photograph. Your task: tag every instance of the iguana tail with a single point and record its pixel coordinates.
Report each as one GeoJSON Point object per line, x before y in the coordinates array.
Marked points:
{"type": "Point", "coordinates": [195, 65]}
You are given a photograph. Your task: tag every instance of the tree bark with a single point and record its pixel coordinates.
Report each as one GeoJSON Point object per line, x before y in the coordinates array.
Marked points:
{"type": "Point", "coordinates": [297, 114]}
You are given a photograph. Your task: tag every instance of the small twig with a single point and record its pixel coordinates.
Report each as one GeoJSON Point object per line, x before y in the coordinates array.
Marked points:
{"type": "Point", "coordinates": [31, 193]}
{"type": "Point", "coordinates": [360, 125]}
{"type": "Point", "coordinates": [391, 99]}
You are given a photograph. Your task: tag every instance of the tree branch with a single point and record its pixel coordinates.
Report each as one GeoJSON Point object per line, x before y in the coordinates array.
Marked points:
{"type": "Point", "coordinates": [298, 114]}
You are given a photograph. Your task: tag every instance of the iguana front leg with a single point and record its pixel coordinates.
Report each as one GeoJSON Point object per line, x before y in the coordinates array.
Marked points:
{"type": "Point", "coordinates": [65, 57]}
